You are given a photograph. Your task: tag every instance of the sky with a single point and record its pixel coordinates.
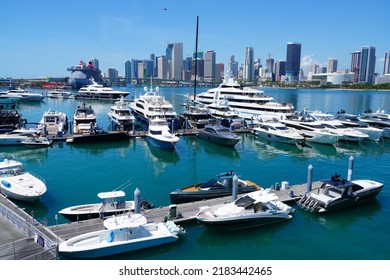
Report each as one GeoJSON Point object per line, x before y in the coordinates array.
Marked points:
{"type": "Point", "coordinates": [43, 38]}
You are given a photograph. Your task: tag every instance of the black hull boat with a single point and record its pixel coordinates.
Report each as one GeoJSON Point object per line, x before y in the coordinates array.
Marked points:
{"type": "Point", "coordinates": [98, 137]}
{"type": "Point", "coordinates": [220, 186]}
{"type": "Point", "coordinates": [335, 194]}
{"type": "Point", "coordinates": [219, 135]}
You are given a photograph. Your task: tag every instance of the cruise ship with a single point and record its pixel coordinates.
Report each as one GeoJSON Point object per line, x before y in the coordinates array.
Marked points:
{"type": "Point", "coordinates": [248, 102]}
{"type": "Point", "coordinates": [82, 75]}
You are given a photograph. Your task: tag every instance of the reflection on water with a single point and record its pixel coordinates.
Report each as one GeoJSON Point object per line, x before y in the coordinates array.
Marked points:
{"type": "Point", "coordinates": [218, 150]}
{"type": "Point", "coordinates": [25, 154]}
{"type": "Point", "coordinates": [101, 148]}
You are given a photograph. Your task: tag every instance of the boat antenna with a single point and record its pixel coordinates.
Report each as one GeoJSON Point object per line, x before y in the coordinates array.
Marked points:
{"type": "Point", "coordinates": [196, 56]}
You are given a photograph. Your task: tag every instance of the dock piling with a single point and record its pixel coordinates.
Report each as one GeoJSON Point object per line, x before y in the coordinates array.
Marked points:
{"type": "Point", "coordinates": [137, 201]}
{"type": "Point", "coordinates": [350, 168]}
{"type": "Point", "coordinates": [235, 187]}
{"type": "Point", "coordinates": [309, 178]}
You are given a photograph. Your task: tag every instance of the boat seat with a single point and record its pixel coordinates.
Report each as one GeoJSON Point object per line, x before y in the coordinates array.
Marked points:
{"type": "Point", "coordinates": [110, 237]}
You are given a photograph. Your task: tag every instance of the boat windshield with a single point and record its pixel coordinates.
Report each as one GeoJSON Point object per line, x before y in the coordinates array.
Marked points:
{"type": "Point", "coordinates": [245, 202]}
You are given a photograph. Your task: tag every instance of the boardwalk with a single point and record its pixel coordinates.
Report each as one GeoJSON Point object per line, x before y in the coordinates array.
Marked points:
{"type": "Point", "coordinates": [21, 234]}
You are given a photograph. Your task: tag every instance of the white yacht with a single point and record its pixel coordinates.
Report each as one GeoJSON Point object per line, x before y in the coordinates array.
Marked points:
{"type": "Point", "coordinates": [60, 94]}
{"type": "Point", "coordinates": [346, 133]}
{"type": "Point", "coordinates": [16, 183]}
{"type": "Point", "coordinates": [352, 121]}
{"type": "Point", "coordinates": [84, 119]}
{"type": "Point", "coordinates": [159, 134]}
{"type": "Point", "coordinates": [54, 123]}
{"type": "Point", "coordinates": [99, 92]}
{"type": "Point", "coordinates": [378, 119]}
{"type": "Point", "coordinates": [257, 208]}
{"type": "Point", "coordinates": [121, 116]}
{"type": "Point", "coordinates": [311, 130]}
{"type": "Point", "coordinates": [26, 95]}
{"type": "Point", "coordinates": [246, 101]}
{"type": "Point", "coordinates": [151, 105]}
{"type": "Point", "coordinates": [274, 130]}
{"type": "Point", "coordinates": [18, 136]}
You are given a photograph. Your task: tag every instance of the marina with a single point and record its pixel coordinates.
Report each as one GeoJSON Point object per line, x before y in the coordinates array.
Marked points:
{"type": "Point", "coordinates": [91, 168]}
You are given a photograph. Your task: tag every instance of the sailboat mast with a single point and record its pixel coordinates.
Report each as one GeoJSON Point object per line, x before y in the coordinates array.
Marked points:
{"type": "Point", "coordinates": [196, 56]}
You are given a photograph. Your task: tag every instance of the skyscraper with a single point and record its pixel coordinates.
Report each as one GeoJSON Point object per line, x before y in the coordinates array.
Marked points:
{"type": "Point", "coordinates": [355, 65]}
{"type": "Point", "coordinates": [280, 69]}
{"type": "Point", "coordinates": [332, 65]}
{"type": "Point", "coordinates": [127, 71]}
{"type": "Point", "coordinates": [177, 61]}
{"type": "Point", "coordinates": [95, 63]}
{"type": "Point", "coordinates": [209, 66]}
{"type": "Point", "coordinates": [367, 65]}
{"type": "Point", "coordinates": [386, 68]}
{"type": "Point", "coordinates": [233, 67]}
{"type": "Point", "coordinates": [293, 60]}
{"type": "Point", "coordinates": [248, 74]}
{"type": "Point", "coordinates": [162, 66]}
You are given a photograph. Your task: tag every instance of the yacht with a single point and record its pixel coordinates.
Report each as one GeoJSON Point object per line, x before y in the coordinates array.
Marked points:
{"type": "Point", "coordinates": [121, 235]}
{"type": "Point", "coordinates": [10, 118]}
{"type": "Point", "coordinates": [54, 123]}
{"type": "Point", "coordinates": [219, 134]}
{"type": "Point", "coordinates": [18, 136]}
{"type": "Point", "coordinates": [112, 203]}
{"type": "Point", "coordinates": [151, 105]}
{"type": "Point", "coordinates": [220, 110]}
{"type": "Point", "coordinates": [274, 130]}
{"type": "Point", "coordinates": [257, 208]}
{"type": "Point", "coordinates": [121, 116]}
{"type": "Point", "coordinates": [60, 94]}
{"type": "Point", "coordinates": [26, 95]}
{"type": "Point", "coordinates": [310, 129]}
{"type": "Point", "coordinates": [346, 133]}
{"type": "Point", "coordinates": [246, 101]}
{"type": "Point", "coordinates": [16, 183]}
{"type": "Point", "coordinates": [159, 134]}
{"type": "Point", "coordinates": [378, 119]}
{"type": "Point", "coordinates": [84, 119]}
{"type": "Point", "coordinates": [99, 92]}
{"type": "Point", "coordinates": [352, 121]}
{"type": "Point", "coordinates": [336, 193]}
{"type": "Point", "coordinates": [196, 115]}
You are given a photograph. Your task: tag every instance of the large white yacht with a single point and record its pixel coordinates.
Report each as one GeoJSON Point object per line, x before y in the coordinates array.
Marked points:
{"type": "Point", "coordinates": [99, 92]}
{"type": "Point", "coordinates": [152, 105]}
{"type": "Point", "coordinates": [247, 101]}
{"type": "Point", "coordinates": [84, 119]}
{"type": "Point", "coordinates": [121, 116]}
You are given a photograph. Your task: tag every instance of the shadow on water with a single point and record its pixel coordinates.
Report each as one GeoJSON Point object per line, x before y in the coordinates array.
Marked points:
{"type": "Point", "coordinates": [218, 150]}
{"type": "Point", "coordinates": [163, 155]}
{"type": "Point", "coordinates": [100, 148]}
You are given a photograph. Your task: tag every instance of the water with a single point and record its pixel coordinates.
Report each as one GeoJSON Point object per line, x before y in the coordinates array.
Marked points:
{"type": "Point", "coordinates": [76, 173]}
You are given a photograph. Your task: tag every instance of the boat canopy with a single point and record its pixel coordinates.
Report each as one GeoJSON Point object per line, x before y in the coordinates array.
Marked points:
{"type": "Point", "coordinates": [113, 194]}
{"type": "Point", "coordinates": [335, 181]}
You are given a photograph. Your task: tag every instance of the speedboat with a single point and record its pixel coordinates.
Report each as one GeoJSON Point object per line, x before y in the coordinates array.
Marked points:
{"type": "Point", "coordinates": [159, 134]}
{"type": "Point", "coordinates": [10, 118]}
{"type": "Point", "coordinates": [276, 131]}
{"type": "Point", "coordinates": [54, 123]}
{"type": "Point", "coordinates": [219, 134]}
{"type": "Point", "coordinates": [151, 105]}
{"type": "Point", "coordinates": [37, 142]}
{"type": "Point", "coordinates": [99, 92]}
{"type": "Point", "coordinates": [121, 116]}
{"type": "Point", "coordinates": [378, 119]}
{"type": "Point", "coordinates": [16, 183]}
{"type": "Point", "coordinates": [220, 186]}
{"type": "Point", "coordinates": [111, 204]}
{"type": "Point", "coordinates": [17, 136]}
{"type": "Point", "coordinates": [120, 236]}
{"type": "Point", "coordinates": [336, 193]}
{"type": "Point", "coordinates": [257, 208]}
{"type": "Point", "coordinates": [310, 129]}
{"type": "Point", "coordinates": [84, 119]}
{"type": "Point", "coordinates": [60, 94]}
{"type": "Point", "coordinates": [352, 121]}
{"type": "Point", "coordinates": [346, 133]}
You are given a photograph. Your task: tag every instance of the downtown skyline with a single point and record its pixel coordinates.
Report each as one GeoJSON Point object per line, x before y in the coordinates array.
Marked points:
{"type": "Point", "coordinates": [49, 37]}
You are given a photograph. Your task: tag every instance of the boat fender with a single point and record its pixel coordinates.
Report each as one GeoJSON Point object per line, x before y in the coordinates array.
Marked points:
{"type": "Point", "coordinates": [6, 183]}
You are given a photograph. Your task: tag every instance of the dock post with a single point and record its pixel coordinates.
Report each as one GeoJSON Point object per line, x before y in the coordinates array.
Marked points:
{"type": "Point", "coordinates": [186, 123]}
{"type": "Point", "coordinates": [133, 127]}
{"type": "Point", "coordinates": [350, 168]}
{"type": "Point", "coordinates": [235, 187]}
{"type": "Point", "coordinates": [309, 178]}
{"type": "Point", "coordinates": [137, 201]}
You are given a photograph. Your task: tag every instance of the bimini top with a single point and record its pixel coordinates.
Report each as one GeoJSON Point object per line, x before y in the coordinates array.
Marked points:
{"type": "Point", "coordinates": [335, 181]}
{"type": "Point", "coordinates": [113, 194]}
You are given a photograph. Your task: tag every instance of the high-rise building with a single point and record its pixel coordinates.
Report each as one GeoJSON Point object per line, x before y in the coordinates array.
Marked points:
{"type": "Point", "coordinates": [177, 61]}
{"type": "Point", "coordinates": [386, 68]}
{"type": "Point", "coordinates": [95, 63]}
{"type": "Point", "coordinates": [209, 66]}
{"type": "Point", "coordinates": [233, 67]}
{"type": "Point", "coordinates": [280, 69]}
{"type": "Point", "coordinates": [248, 74]}
{"type": "Point", "coordinates": [355, 65]}
{"type": "Point", "coordinates": [199, 68]}
{"type": "Point", "coordinates": [112, 75]}
{"type": "Point", "coordinates": [134, 68]}
{"type": "Point", "coordinates": [332, 65]}
{"type": "Point", "coordinates": [367, 65]}
{"type": "Point", "coordinates": [162, 66]}
{"type": "Point", "coordinates": [293, 61]}
{"type": "Point", "coordinates": [127, 71]}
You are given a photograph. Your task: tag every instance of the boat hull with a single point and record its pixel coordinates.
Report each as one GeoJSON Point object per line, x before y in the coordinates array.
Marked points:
{"type": "Point", "coordinates": [277, 138]}
{"type": "Point", "coordinates": [220, 140]}
{"type": "Point", "coordinates": [99, 137]}
{"type": "Point", "coordinates": [165, 145]}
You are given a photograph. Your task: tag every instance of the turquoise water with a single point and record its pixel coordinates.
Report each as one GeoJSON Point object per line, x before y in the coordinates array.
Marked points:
{"type": "Point", "coordinates": [76, 173]}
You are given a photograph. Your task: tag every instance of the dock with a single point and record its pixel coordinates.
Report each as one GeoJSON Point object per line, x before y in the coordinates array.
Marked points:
{"type": "Point", "coordinates": [22, 237]}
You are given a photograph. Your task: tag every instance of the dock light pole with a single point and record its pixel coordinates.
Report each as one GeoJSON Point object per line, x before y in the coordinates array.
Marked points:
{"type": "Point", "coordinates": [309, 178]}
{"type": "Point", "coordinates": [350, 168]}
{"type": "Point", "coordinates": [137, 201]}
{"type": "Point", "coordinates": [235, 187]}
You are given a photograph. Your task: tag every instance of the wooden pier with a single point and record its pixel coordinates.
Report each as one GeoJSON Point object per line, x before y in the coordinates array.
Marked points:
{"type": "Point", "coordinates": [31, 232]}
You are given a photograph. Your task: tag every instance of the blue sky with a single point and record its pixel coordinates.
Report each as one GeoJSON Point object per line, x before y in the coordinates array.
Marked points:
{"type": "Point", "coordinates": [42, 38]}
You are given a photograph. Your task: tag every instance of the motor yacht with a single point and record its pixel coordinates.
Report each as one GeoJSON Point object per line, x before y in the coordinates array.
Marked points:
{"type": "Point", "coordinates": [16, 183]}
{"type": "Point", "coordinates": [253, 209]}
{"type": "Point", "coordinates": [159, 134]}
{"type": "Point", "coordinates": [121, 116]}
{"type": "Point", "coordinates": [84, 120]}
{"type": "Point", "coordinates": [60, 94]}
{"type": "Point", "coordinates": [378, 119]}
{"type": "Point", "coordinates": [336, 193]}
{"type": "Point", "coordinates": [17, 136]}
{"type": "Point", "coordinates": [54, 123]}
{"type": "Point", "coordinates": [26, 95]}
{"type": "Point", "coordinates": [219, 134]}
{"type": "Point", "coordinates": [99, 92]}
